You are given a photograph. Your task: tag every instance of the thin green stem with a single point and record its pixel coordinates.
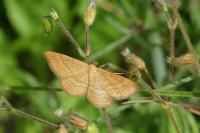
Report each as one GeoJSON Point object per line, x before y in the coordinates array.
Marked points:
{"type": "Point", "coordinates": [34, 118]}
{"type": "Point", "coordinates": [178, 83]}
{"type": "Point", "coordinates": [147, 88]}
{"type": "Point", "coordinates": [173, 118]}
{"type": "Point", "coordinates": [87, 41]}
{"type": "Point", "coordinates": [70, 37]}
{"type": "Point", "coordinates": [178, 93]}
{"type": "Point", "coordinates": [27, 88]}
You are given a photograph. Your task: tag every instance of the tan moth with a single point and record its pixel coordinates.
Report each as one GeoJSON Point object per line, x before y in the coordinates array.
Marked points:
{"type": "Point", "coordinates": [100, 86]}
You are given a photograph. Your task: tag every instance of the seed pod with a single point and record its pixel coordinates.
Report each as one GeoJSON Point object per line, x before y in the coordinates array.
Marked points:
{"type": "Point", "coordinates": [186, 59]}
{"type": "Point", "coordinates": [78, 121]}
{"type": "Point", "coordinates": [62, 129]}
{"type": "Point", "coordinates": [47, 24]}
{"type": "Point", "coordinates": [90, 14]}
{"type": "Point", "coordinates": [133, 59]}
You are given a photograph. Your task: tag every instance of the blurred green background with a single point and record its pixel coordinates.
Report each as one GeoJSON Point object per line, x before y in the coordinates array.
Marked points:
{"type": "Point", "coordinates": [23, 43]}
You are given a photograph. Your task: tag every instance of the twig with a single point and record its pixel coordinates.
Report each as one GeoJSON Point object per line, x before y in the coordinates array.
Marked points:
{"type": "Point", "coordinates": [107, 120]}
{"type": "Point", "coordinates": [191, 109]}
{"type": "Point", "coordinates": [184, 33]}
{"type": "Point", "coordinates": [172, 29]}
{"type": "Point", "coordinates": [173, 118]}
{"type": "Point", "coordinates": [31, 117]}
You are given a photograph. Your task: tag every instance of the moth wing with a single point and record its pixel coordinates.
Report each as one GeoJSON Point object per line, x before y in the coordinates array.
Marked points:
{"type": "Point", "coordinates": [117, 86]}
{"type": "Point", "coordinates": [96, 94]}
{"type": "Point", "coordinates": [72, 72]}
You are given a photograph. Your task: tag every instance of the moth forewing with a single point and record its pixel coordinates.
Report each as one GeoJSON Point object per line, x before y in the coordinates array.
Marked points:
{"type": "Point", "coordinates": [72, 73]}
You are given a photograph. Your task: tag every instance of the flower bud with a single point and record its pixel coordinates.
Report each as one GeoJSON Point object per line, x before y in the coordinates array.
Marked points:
{"type": "Point", "coordinates": [186, 59]}
{"type": "Point", "coordinates": [47, 24]}
{"type": "Point", "coordinates": [90, 14]}
{"type": "Point", "coordinates": [133, 59]}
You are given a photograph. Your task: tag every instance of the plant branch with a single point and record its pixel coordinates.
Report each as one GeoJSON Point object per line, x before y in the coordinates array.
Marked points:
{"type": "Point", "coordinates": [184, 33]}
{"type": "Point", "coordinates": [34, 118]}
{"type": "Point", "coordinates": [163, 103]}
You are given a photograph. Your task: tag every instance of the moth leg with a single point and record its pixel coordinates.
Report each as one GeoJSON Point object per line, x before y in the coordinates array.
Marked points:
{"type": "Point", "coordinates": [112, 67]}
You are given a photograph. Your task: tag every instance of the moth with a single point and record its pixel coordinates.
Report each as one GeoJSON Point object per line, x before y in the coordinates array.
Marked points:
{"type": "Point", "coordinates": [101, 87]}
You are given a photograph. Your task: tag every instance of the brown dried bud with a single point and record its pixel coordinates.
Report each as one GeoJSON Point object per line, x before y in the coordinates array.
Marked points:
{"type": "Point", "coordinates": [90, 14]}
{"type": "Point", "coordinates": [78, 121]}
{"type": "Point", "coordinates": [133, 59]}
{"type": "Point", "coordinates": [186, 59]}
{"type": "Point", "coordinates": [62, 129]}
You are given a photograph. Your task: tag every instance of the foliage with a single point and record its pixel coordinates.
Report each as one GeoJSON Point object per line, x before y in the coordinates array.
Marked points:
{"type": "Point", "coordinates": [22, 64]}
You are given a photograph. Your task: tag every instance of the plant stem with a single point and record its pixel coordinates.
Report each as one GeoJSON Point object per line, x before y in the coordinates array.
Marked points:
{"type": "Point", "coordinates": [172, 27]}
{"type": "Point", "coordinates": [147, 88]}
{"type": "Point", "coordinates": [107, 121]}
{"type": "Point", "coordinates": [173, 118]}
{"type": "Point", "coordinates": [184, 33]}
{"type": "Point", "coordinates": [178, 83]}
{"type": "Point", "coordinates": [171, 53]}
{"type": "Point", "coordinates": [87, 43]}
{"type": "Point", "coordinates": [34, 118]}
{"type": "Point", "coordinates": [70, 37]}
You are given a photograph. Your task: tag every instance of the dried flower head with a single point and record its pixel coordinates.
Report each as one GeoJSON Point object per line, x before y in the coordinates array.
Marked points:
{"type": "Point", "coordinates": [54, 14]}
{"type": "Point", "coordinates": [78, 121]}
{"type": "Point", "coordinates": [186, 59]}
{"type": "Point", "coordinates": [59, 112]}
{"type": "Point", "coordinates": [133, 59]}
{"type": "Point", "coordinates": [90, 14]}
